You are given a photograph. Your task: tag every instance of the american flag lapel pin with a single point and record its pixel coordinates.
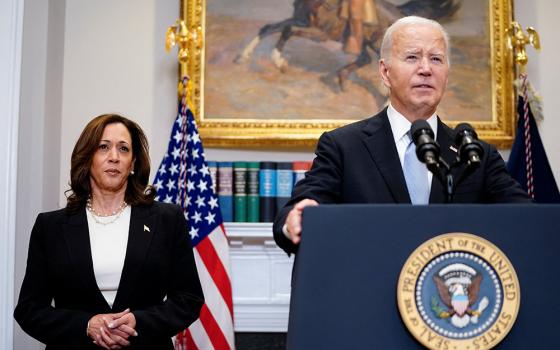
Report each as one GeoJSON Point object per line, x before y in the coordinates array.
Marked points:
{"type": "Point", "coordinates": [146, 228]}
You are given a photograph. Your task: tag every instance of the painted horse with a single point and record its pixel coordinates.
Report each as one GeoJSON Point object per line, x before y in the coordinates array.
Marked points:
{"type": "Point", "coordinates": [320, 20]}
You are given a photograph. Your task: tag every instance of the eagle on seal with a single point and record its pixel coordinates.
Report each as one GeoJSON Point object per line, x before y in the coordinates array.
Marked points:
{"type": "Point", "coordinates": [458, 286]}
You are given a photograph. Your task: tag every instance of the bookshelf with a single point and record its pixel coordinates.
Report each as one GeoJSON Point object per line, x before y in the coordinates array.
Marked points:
{"type": "Point", "coordinates": [261, 277]}
{"type": "Point", "coordinates": [252, 191]}
{"type": "Point", "coordinates": [250, 194]}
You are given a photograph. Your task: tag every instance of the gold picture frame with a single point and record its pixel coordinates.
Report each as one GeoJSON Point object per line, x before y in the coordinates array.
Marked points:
{"type": "Point", "coordinates": [272, 132]}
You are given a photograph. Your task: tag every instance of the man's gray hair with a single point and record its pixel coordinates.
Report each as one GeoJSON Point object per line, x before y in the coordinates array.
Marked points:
{"type": "Point", "coordinates": [387, 43]}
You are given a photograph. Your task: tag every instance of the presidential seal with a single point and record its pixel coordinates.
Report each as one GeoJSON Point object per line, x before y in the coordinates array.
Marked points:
{"type": "Point", "coordinates": [458, 291]}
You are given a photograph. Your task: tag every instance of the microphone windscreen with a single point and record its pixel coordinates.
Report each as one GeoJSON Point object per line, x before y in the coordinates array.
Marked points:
{"type": "Point", "coordinates": [420, 127]}
{"type": "Point", "coordinates": [460, 132]}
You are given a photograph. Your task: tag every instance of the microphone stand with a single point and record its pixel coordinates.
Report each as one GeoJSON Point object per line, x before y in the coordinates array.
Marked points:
{"type": "Point", "coordinates": [428, 152]}
{"type": "Point", "coordinates": [442, 171]}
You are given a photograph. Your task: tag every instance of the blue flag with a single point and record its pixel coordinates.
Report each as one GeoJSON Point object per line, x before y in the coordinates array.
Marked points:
{"type": "Point", "coordinates": [537, 178]}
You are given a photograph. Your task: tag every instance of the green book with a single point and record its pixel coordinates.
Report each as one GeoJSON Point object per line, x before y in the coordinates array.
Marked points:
{"type": "Point", "coordinates": [240, 191]}
{"type": "Point", "coordinates": [253, 191]}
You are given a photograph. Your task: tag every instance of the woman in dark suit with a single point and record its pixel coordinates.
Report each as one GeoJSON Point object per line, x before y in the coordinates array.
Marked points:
{"type": "Point", "coordinates": [114, 269]}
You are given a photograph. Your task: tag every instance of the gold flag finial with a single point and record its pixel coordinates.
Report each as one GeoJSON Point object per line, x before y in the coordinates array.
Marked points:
{"type": "Point", "coordinates": [517, 40]}
{"type": "Point", "coordinates": [180, 35]}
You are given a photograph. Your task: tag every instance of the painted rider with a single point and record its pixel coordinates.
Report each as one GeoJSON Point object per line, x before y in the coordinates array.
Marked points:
{"type": "Point", "coordinates": [357, 12]}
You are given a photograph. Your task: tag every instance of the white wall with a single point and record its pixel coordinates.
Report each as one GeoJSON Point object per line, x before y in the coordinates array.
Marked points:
{"type": "Point", "coordinates": [39, 132]}
{"type": "Point", "coordinates": [83, 58]}
{"type": "Point", "coordinates": [11, 28]}
{"type": "Point", "coordinates": [114, 61]}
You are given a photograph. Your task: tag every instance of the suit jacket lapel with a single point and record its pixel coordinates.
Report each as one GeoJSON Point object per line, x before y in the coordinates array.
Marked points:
{"type": "Point", "coordinates": [381, 146]}
{"type": "Point", "coordinates": [76, 235]}
{"type": "Point", "coordinates": [142, 228]}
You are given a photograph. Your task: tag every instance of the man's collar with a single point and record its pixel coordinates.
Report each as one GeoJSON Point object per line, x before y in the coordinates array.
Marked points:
{"type": "Point", "coordinates": [400, 125]}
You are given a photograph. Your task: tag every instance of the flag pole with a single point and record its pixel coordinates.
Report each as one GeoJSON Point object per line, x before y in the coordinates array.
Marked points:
{"type": "Point", "coordinates": [184, 178]}
{"type": "Point", "coordinates": [187, 40]}
{"type": "Point", "coordinates": [517, 40]}
{"type": "Point", "coordinates": [179, 35]}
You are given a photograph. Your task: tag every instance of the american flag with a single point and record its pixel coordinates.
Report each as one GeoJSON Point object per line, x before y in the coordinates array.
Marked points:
{"type": "Point", "coordinates": [184, 178]}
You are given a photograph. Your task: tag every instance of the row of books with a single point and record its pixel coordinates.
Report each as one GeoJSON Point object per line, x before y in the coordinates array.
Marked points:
{"type": "Point", "coordinates": [254, 191]}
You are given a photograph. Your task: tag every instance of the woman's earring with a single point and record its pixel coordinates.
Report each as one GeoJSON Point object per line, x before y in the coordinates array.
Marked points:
{"type": "Point", "coordinates": [132, 172]}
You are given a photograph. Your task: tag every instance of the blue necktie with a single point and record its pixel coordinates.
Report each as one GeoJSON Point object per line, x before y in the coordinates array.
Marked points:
{"type": "Point", "coordinates": [416, 175]}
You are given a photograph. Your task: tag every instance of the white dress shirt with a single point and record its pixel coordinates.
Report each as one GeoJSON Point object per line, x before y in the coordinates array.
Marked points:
{"type": "Point", "coordinates": [108, 250]}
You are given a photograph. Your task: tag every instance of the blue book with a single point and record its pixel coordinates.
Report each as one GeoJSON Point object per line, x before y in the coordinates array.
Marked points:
{"type": "Point", "coordinates": [225, 190]}
{"type": "Point", "coordinates": [267, 191]}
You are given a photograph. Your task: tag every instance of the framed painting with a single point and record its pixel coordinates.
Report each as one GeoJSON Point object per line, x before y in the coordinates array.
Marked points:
{"type": "Point", "coordinates": [276, 74]}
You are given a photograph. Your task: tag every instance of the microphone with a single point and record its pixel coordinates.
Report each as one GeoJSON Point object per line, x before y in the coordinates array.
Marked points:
{"type": "Point", "coordinates": [470, 149]}
{"type": "Point", "coordinates": [427, 149]}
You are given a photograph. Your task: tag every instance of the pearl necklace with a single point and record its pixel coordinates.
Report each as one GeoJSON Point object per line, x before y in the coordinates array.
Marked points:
{"type": "Point", "coordinates": [96, 216]}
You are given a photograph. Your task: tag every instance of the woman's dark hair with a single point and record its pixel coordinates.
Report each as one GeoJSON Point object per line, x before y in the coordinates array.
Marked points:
{"type": "Point", "coordinates": [137, 190]}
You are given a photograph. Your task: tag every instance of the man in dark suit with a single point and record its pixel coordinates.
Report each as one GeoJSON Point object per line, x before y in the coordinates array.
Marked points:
{"type": "Point", "coordinates": [366, 161]}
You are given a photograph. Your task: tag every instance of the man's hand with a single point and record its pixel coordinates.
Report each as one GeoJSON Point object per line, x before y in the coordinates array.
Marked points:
{"type": "Point", "coordinates": [293, 220]}
{"type": "Point", "coordinates": [111, 331]}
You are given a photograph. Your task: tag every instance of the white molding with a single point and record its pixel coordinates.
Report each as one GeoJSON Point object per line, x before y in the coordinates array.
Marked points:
{"type": "Point", "coordinates": [11, 29]}
{"type": "Point", "coordinates": [249, 229]}
{"type": "Point", "coordinates": [261, 276]}
{"type": "Point", "coordinates": [261, 318]}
